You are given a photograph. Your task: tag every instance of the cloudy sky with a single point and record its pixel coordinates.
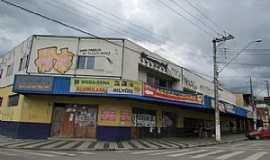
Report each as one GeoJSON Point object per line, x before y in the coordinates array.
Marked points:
{"type": "Point", "coordinates": [180, 30]}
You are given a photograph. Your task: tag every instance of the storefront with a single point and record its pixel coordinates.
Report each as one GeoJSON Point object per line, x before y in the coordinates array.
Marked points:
{"type": "Point", "coordinates": [74, 120]}
{"type": "Point", "coordinates": [111, 109]}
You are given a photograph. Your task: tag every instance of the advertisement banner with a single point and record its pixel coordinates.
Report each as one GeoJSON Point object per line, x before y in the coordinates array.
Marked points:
{"type": "Point", "coordinates": [83, 85]}
{"type": "Point", "coordinates": [33, 83]}
{"type": "Point", "coordinates": [108, 116]}
{"type": "Point", "coordinates": [171, 95]}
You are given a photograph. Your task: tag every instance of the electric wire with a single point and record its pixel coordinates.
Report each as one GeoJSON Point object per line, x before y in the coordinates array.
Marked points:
{"type": "Point", "coordinates": [195, 17]}
{"type": "Point", "coordinates": [107, 25]}
{"type": "Point", "coordinates": [193, 5]}
{"type": "Point", "coordinates": [71, 27]}
{"type": "Point", "coordinates": [120, 19]}
{"type": "Point", "coordinates": [184, 17]}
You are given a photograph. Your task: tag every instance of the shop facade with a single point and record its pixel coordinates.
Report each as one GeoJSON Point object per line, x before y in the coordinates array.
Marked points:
{"type": "Point", "coordinates": [79, 87]}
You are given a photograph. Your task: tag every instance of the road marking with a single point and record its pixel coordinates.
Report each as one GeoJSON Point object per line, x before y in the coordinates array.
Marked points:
{"type": "Point", "coordinates": [256, 156]}
{"type": "Point", "coordinates": [143, 152]}
{"type": "Point", "coordinates": [169, 152]}
{"type": "Point", "coordinates": [7, 154]}
{"type": "Point", "coordinates": [34, 153]}
{"type": "Point", "coordinates": [185, 153]}
{"type": "Point", "coordinates": [207, 154]}
{"type": "Point", "coordinates": [229, 155]}
{"type": "Point", "coordinates": [60, 153]}
{"type": "Point", "coordinates": [86, 153]}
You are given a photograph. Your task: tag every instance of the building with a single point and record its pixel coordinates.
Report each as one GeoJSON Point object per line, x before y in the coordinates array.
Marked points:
{"type": "Point", "coordinates": [113, 89]}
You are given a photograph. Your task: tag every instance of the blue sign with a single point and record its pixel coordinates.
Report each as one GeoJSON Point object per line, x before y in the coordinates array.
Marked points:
{"type": "Point", "coordinates": [33, 83]}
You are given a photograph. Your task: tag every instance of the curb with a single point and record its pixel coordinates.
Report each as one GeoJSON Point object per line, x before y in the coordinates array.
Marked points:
{"type": "Point", "coordinates": [131, 149]}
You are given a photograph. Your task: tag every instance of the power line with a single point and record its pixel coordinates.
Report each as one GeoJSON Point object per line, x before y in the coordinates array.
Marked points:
{"type": "Point", "coordinates": [201, 12]}
{"type": "Point", "coordinates": [187, 19]}
{"type": "Point", "coordinates": [95, 20]}
{"type": "Point", "coordinates": [198, 19]}
{"type": "Point", "coordinates": [73, 27]}
{"type": "Point", "coordinates": [135, 26]}
{"type": "Point", "coordinates": [247, 49]}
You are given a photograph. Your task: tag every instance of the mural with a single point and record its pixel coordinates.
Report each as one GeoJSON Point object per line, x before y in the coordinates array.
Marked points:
{"type": "Point", "coordinates": [48, 59]}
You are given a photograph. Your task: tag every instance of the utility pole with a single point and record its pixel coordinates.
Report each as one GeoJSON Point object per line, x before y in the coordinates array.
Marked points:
{"type": "Point", "coordinates": [267, 87]}
{"type": "Point", "coordinates": [216, 84]}
{"type": "Point", "coordinates": [253, 104]}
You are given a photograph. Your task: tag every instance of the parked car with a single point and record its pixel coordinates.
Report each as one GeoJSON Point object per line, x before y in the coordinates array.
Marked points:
{"type": "Point", "coordinates": [260, 133]}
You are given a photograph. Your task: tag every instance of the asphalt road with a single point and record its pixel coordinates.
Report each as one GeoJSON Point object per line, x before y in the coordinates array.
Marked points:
{"type": "Point", "coordinates": [246, 150]}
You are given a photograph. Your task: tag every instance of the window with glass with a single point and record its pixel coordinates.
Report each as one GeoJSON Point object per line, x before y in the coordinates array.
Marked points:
{"type": "Point", "coordinates": [13, 100]}
{"type": "Point", "coordinates": [1, 73]}
{"type": "Point", "coordinates": [1, 101]}
{"type": "Point", "coordinates": [21, 64]}
{"type": "Point", "coordinates": [9, 70]}
{"type": "Point", "coordinates": [86, 62]}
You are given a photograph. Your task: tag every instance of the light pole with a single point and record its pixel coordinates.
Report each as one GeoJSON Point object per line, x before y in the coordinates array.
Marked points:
{"type": "Point", "coordinates": [217, 116]}
{"type": "Point", "coordinates": [216, 83]}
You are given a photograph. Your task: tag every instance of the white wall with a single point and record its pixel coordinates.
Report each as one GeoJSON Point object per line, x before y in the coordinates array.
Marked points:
{"type": "Point", "coordinates": [12, 58]}
{"type": "Point", "coordinates": [59, 54]}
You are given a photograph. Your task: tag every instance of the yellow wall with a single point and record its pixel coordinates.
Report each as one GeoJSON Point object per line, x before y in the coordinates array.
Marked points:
{"type": "Point", "coordinates": [38, 109]}
{"type": "Point", "coordinates": [10, 113]}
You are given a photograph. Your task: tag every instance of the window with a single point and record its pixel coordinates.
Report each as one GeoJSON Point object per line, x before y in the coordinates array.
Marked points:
{"type": "Point", "coordinates": [86, 62]}
{"type": "Point", "coordinates": [1, 73]}
{"type": "Point", "coordinates": [13, 100]}
{"type": "Point", "coordinates": [9, 70]}
{"type": "Point", "coordinates": [27, 61]}
{"type": "Point", "coordinates": [1, 101]}
{"type": "Point", "coordinates": [21, 64]}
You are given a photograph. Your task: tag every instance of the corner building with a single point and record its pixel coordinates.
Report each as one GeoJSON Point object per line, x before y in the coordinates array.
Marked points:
{"type": "Point", "coordinates": [81, 87]}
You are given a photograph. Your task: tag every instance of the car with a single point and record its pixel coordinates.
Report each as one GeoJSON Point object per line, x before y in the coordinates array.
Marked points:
{"type": "Point", "coordinates": [260, 133]}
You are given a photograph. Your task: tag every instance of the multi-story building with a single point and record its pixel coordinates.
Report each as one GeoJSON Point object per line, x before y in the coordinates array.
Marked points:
{"type": "Point", "coordinates": [109, 89]}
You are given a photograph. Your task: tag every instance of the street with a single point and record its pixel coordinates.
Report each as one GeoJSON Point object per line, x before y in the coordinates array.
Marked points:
{"type": "Point", "coordinates": [246, 150]}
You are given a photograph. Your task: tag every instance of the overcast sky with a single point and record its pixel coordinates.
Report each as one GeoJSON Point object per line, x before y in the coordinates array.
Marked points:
{"type": "Point", "coordinates": [185, 38]}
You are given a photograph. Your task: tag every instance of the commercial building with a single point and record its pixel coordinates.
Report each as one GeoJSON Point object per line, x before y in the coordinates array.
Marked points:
{"type": "Point", "coordinates": [113, 89]}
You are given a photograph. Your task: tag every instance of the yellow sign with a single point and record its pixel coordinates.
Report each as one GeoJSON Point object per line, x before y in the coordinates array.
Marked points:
{"type": "Point", "coordinates": [84, 85]}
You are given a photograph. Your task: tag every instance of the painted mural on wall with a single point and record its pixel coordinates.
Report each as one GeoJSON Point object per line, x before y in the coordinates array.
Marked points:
{"type": "Point", "coordinates": [49, 59]}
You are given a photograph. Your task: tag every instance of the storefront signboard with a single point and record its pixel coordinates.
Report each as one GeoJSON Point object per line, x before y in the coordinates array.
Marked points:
{"type": "Point", "coordinates": [144, 120]}
{"type": "Point", "coordinates": [229, 108]}
{"type": "Point", "coordinates": [171, 95]}
{"type": "Point", "coordinates": [83, 85]}
{"type": "Point", "coordinates": [33, 83]}
{"type": "Point", "coordinates": [108, 116]}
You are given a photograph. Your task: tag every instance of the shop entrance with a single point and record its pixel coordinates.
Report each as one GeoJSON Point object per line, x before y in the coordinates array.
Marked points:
{"type": "Point", "coordinates": [74, 121]}
{"type": "Point", "coordinates": [169, 124]}
{"type": "Point", "coordinates": [144, 122]}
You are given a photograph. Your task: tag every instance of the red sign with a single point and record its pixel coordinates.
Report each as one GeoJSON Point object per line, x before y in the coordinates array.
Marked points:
{"type": "Point", "coordinates": [125, 116]}
{"type": "Point", "coordinates": [108, 116]}
{"type": "Point", "coordinates": [171, 95]}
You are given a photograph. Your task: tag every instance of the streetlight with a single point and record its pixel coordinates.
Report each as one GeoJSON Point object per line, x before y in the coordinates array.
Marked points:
{"type": "Point", "coordinates": [216, 74]}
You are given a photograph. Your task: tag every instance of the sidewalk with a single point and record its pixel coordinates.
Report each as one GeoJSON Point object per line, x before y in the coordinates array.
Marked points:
{"type": "Point", "coordinates": [138, 144]}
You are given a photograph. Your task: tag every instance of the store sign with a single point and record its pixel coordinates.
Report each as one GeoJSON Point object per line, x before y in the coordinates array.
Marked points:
{"type": "Point", "coordinates": [125, 116]}
{"type": "Point", "coordinates": [144, 120]}
{"type": "Point", "coordinates": [108, 116]}
{"type": "Point", "coordinates": [197, 83]}
{"type": "Point", "coordinates": [83, 85]}
{"type": "Point", "coordinates": [229, 108]}
{"type": "Point", "coordinates": [155, 64]}
{"type": "Point", "coordinates": [171, 95]}
{"type": "Point", "coordinates": [33, 83]}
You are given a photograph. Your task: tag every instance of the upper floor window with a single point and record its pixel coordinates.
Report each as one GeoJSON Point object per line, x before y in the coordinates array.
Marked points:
{"type": "Point", "coordinates": [86, 62]}
{"type": "Point", "coordinates": [21, 64]}
{"type": "Point", "coordinates": [1, 101]}
{"type": "Point", "coordinates": [1, 73]}
{"type": "Point", "coordinates": [9, 70]}
{"type": "Point", "coordinates": [26, 62]}
{"type": "Point", "coordinates": [13, 100]}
